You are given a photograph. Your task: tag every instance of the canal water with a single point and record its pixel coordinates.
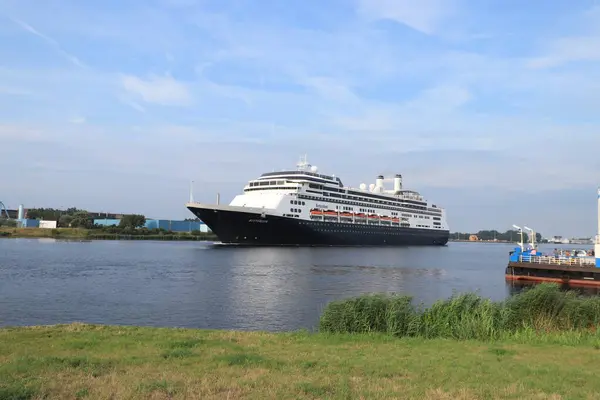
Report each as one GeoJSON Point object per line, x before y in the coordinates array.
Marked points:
{"type": "Point", "coordinates": [202, 285]}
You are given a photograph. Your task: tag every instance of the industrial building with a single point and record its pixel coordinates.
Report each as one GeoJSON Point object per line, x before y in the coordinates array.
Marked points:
{"type": "Point", "coordinates": [166, 224]}
{"type": "Point", "coordinates": [104, 219]}
{"type": "Point", "coordinates": [20, 217]}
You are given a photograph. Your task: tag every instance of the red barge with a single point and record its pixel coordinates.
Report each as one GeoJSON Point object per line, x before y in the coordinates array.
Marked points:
{"type": "Point", "coordinates": [572, 269]}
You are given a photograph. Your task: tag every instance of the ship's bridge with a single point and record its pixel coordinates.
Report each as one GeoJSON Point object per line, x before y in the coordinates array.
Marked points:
{"type": "Point", "coordinates": [304, 176]}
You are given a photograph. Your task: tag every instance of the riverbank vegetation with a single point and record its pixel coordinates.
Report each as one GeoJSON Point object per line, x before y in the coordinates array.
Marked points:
{"type": "Point", "coordinates": [542, 309]}
{"type": "Point", "coordinates": [110, 233]}
{"type": "Point", "coordinates": [540, 344]}
{"type": "Point", "coordinates": [493, 235]}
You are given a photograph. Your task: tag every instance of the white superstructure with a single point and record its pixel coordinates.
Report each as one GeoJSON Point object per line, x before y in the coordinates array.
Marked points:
{"type": "Point", "coordinates": [306, 194]}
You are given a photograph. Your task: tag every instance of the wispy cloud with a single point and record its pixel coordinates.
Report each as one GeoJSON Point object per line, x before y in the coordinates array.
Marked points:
{"type": "Point", "coordinates": [564, 49]}
{"type": "Point", "coordinates": [73, 59]}
{"type": "Point", "coordinates": [162, 90]}
{"type": "Point", "coordinates": [425, 16]}
{"type": "Point", "coordinates": [77, 120]}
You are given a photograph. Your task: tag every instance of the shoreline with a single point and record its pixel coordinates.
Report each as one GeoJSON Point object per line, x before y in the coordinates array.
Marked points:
{"type": "Point", "coordinates": [93, 234]}
{"type": "Point", "coordinates": [101, 361]}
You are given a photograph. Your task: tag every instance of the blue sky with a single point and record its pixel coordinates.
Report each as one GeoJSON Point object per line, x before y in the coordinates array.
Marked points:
{"type": "Point", "coordinates": [489, 108]}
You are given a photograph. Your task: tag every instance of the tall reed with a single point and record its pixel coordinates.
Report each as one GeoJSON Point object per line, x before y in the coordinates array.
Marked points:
{"type": "Point", "coordinates": [542, 308]}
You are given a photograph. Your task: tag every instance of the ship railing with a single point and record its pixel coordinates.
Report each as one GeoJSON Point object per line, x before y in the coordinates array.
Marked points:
{"type": "Point", "coordinates": [567, 261]}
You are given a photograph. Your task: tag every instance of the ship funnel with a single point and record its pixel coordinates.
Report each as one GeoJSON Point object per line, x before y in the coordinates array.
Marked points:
{"type": "Point", "coordinates": [397, 183]}
{"type": "Point", "coordinates": [379, 182]}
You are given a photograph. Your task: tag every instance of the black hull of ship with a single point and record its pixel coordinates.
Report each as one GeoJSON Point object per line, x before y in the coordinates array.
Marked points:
{"type": "Point", "coordinates": [247, 228]}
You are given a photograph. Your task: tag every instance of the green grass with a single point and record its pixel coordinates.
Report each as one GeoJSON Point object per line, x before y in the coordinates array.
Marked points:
{"type": "Point", "coordinates": [99, 362]}
{"type": "Point", "coordinates": [68, 233]}
{"type": "Point", "coordinates": [543, 308]}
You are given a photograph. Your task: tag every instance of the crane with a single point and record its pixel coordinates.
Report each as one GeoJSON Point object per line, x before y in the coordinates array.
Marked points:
{"type": "Point", "coordinates": [3, 207]}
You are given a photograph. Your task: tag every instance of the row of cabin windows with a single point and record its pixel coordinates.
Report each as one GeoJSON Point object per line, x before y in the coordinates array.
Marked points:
{"type": "Point", "coordinates": [326, 177]}
{"type": "Point", "coordinates": [267, 183]}
{"type": "Point", "coordinates": [349, 202]}
{"type": "Point", "coordinates": [358, 228]}
{"type": "Point", "coordinates": [317, 180]}
{"type": "Point", "coordinates": [295, 210]}
{"type": "Point", "coordinates": [351, 194]}
{"type": "Point", "coordinates": [297, 202]}
{"type": "Point", "coordinates": [401, 203]}
{"type": "Point", "coordinates": [267, 188]}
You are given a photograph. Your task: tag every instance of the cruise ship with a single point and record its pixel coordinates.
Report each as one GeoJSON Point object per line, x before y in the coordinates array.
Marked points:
{"type": "Point", "coordinates": [306, 207]}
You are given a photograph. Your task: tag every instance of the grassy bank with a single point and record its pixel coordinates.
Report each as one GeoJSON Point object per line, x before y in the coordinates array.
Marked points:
{"type": "Point", "coordinates": [93, 234]}
{"type": "Point", "coordinates": [76, 233]}
{"type": "Point", "coordinates": [541, 344]}
{"type": "Point", "coordinates": [84, 361]}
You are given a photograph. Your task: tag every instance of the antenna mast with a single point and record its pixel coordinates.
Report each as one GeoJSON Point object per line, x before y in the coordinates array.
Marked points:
{"type": "Point", "coordinates": [303, 163]}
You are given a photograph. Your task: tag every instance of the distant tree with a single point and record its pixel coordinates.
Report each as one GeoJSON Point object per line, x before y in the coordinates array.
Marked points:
{"type": "Point", "coordinates": [487, 235]}
{"type": "Point", "coordinates": [81, 219]}
{"type": "Point", "coordinates": [65, 220]}
{"type": "Point", "coordinates": [50, 214]}
{"type": "Point", "coordinates": [132, 221]}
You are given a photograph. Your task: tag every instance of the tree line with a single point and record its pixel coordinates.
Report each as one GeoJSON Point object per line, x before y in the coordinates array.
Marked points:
{"type": "Point", "coordinates": [508, 236]}
{"type": "Point", "coordinates": [77, 218]}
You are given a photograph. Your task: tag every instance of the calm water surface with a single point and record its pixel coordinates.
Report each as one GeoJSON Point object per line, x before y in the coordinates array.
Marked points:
{"type": "Point", "coordinates": [185, 284]}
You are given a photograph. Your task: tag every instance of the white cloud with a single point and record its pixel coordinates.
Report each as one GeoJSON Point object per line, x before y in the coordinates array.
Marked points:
{"type": "Point", "coordinates": [14, 91]}
{"type": "Point", "coordinates": [20, 133]}
{"type": "Point", "coordinates": [330, 89]}
{"type": "Point", "coordinates": [77, 120]}
{"type": "Point", "coordinates": [440, 98]}
{"type": "Point", "coordinates": [158, 90]}
{"type": "Point", "coordinates": [567, 50]}
{"type": "Point", "coordinates": [422, 15]}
